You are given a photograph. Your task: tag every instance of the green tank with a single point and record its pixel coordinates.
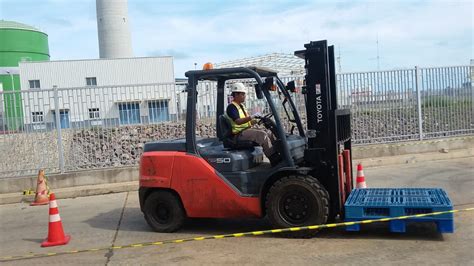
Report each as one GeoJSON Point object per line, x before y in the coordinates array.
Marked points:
{"type": "Point", "coordinates": [20, 42]}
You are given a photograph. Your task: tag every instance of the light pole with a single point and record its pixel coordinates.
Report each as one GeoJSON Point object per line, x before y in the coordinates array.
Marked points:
{"type": "Point", "coordinates": [178, 106]}
{"type": "Point", "coordinates": [11, 77]}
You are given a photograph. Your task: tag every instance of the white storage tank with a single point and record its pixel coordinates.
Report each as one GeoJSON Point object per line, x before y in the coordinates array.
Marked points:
{"type": "Point", "coordinates": [113, 29]}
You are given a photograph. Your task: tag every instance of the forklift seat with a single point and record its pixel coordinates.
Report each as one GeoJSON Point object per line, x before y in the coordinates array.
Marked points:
{"type": "Point", "coordinates": [229, 140]}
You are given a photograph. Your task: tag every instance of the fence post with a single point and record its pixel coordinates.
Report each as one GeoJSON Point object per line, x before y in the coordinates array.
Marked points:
{"type": "Point", "coordinates": [178, 104]}
{"type": "Point", "coordinates": [418, 100]}
{"type": "Point", "coordinates": [57, 114]}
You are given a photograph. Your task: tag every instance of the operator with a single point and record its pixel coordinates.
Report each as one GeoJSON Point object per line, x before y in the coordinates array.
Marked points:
{"type": "Point", "coordinates": [241, 124]}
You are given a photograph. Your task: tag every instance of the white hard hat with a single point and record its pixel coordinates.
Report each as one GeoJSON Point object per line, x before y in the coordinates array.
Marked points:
{"type": "Point", "coordinates": [238, 87]}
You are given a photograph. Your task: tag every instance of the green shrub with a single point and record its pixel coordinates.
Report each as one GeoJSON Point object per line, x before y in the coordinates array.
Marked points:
{"type": "Point", "coordinates": [444, 101]}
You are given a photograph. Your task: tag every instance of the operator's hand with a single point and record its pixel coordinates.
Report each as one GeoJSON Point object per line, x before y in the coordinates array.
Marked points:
{"type": "Point", "coordinates": [256, 115]}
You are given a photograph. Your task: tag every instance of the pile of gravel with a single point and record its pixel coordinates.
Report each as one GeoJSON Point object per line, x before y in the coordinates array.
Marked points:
{"type": "Point", "coordinates": [122, 146]}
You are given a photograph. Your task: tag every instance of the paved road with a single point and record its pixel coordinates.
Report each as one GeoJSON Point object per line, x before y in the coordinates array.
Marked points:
{"type": "Point", "coordinates": [100, 221]}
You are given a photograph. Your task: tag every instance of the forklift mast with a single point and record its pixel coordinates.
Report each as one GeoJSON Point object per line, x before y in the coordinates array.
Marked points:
{"type": "Point", "coordinates": [328, 128]}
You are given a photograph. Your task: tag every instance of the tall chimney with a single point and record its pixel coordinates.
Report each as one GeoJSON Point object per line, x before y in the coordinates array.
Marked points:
{"type": "Point", "coordinates": [113, 29]}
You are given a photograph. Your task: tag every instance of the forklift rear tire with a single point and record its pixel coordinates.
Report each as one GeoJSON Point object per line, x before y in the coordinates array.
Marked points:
{"type": "Point", "coordinates": [164, 212]}
{"type": "Point", "coordinates": [297, 200]}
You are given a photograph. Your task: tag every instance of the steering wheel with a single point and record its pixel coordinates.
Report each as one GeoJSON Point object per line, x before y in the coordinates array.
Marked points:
{"type": "Point", "coordinates": [264, 118]}
{"type": "Point", "coordinates": [268, 123]}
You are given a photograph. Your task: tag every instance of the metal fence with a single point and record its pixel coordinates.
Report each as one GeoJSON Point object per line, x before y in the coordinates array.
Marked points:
{"type": "Point", "coordinates": [408, 104]}
{"type": "Point", "coordinates": [68, 129]}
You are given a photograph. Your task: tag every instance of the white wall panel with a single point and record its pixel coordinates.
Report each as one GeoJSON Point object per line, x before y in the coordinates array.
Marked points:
{"type": "Point", "coordinates": [127, 71]}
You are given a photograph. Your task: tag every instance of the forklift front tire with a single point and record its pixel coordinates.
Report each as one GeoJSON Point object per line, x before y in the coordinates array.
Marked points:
{"type": "Point", "coordinates": [163, 212]}
{"type": "Point", "coordinates": [297, 200]}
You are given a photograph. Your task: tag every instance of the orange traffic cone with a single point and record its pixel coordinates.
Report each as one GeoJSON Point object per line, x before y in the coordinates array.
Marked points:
{"type": "Point", "coordinates": [56, 234]}
{"type": "Point", "coordinates": [360, 180]}
{"type": "Point", "coordinates": [41, 197]}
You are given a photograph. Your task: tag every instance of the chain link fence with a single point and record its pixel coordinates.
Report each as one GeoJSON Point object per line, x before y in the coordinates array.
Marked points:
{"type": "Point", "coordinates": [70, 129]}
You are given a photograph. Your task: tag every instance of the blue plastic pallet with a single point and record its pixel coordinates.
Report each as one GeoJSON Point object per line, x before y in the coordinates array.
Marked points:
{"type": "Point", "coordinates": [377, 203]}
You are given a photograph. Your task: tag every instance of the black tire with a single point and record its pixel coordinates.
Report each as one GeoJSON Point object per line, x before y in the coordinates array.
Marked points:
{"type": "Point", "coordinates": [297, 200]}
{"type": "Point", "coordinates": [163, 212]}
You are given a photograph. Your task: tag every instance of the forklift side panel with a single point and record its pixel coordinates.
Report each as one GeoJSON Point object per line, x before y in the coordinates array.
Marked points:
{"type": "Point", "coordinates": [205, 194]}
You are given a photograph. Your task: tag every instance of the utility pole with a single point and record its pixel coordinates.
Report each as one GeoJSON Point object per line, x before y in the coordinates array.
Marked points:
{"type": "Point", "coordinates": [339, 68]}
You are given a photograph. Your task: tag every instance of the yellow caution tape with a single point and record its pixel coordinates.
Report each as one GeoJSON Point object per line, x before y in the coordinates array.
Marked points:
{"type": "Point", "coordinates": [29, 192]}
{"type": "Point", "coordinates": [254, 233]}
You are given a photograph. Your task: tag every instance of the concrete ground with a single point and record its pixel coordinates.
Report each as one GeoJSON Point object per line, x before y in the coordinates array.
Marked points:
{"type": "Point", "coordinates": [115, 219]}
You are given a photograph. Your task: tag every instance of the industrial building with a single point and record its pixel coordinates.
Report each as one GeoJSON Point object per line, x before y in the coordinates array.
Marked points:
{"type": "Point", "coordinates": [98, 92]}
{"type": "Point", "coordinates": [96, 72]}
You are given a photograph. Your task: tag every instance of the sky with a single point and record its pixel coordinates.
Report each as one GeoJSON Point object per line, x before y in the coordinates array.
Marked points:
{"type": "Point", "coordinates": [368, 35]}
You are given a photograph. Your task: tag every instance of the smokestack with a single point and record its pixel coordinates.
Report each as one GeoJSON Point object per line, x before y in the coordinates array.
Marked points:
{"type": "Point", "coordinates": [113, 29]}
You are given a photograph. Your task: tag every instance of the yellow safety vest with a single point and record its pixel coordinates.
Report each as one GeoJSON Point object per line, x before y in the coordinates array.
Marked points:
{"type": "Point", "coordinates": [236, 129]}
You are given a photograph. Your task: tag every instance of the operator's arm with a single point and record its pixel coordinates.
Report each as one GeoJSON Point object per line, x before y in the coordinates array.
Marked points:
{"type": "Point", "coordinates": [233, 113]}
{"type": "Point", "coordinates": [240, 121]}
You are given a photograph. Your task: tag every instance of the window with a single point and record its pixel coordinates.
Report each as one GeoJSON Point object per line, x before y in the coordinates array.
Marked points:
{"type": "Point", "coordinates": [63, 118]}
{"type": "Point", "coordinates": [37, 117]}
{"type": "Point", "coordinates": [158, 111]}
{"type": "Point", "coordinates": [92, 81]}
{"type": "Point", "coordinates": [34, 84]}
{"type": "Point", "coordinates": [94, 113]}
{"type": "Point", "coordinates": [129, 113]}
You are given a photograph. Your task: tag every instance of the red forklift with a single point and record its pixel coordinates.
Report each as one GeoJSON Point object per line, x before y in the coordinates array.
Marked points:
{"type": "Point", "coordinates": [222, 177]}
